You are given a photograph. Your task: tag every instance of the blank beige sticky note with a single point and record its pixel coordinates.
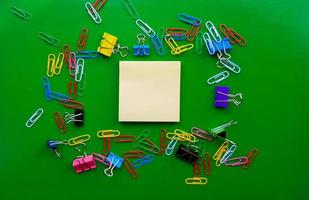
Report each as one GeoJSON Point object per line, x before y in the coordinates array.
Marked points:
{"type": "Point", "coordinates": [149, 91]}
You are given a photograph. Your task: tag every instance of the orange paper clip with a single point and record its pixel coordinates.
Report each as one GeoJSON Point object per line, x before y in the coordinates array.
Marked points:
{"type": "Point", "coordinates": [233, 36]}
{"type": "Point", "coordinates": [124, 138]}
{"type": "Point", "coordinates": [176, 31]}
{"type": "Point", "coordinates": [206, 164]}
{"type": "Point", "coordinates": [106, 146]}
{"type": "Point", "coordinates": [251, 156]}
{"type": "Point", "coordinates": [193, 31]}
{"type": "Point", "coordinates": [133, 154]}
{"type": "Point", "coordinates": [196, 170]}
{"type": "Point", "coordinates": [72, 104]}
{"type": "Point", "coordinates": [82, 39]}
{"type": "Point", "coordinates": [72, 87]}
{"type": "Point", "coordinates": [66, 50]}
{"type": "Point", "coordinates": [98, 4]}
{"type": "Point", "coordinates": [163, 141]}
{"type": "Point", "coordinates": [60, 122]}
{"type": "Point", "coordinates": [130, 168]}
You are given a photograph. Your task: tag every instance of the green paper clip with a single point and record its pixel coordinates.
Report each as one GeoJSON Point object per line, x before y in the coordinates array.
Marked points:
{"type": "Point", "coordinates": [131, 9]}
{"type": "Point", "coordinates": [161, 34]}
{"type": "Point", "coordinates": [49, 39]}
{"type": "Point", "coordinates": [199, 43]}
{"type": "Point", "coordinates": [81, 86]}
{"type": "Point", "coordinates": [20, 13]}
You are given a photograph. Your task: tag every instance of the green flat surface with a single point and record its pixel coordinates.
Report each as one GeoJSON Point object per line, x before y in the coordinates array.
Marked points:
{"type": "Point", "coordinates": [272, 118]}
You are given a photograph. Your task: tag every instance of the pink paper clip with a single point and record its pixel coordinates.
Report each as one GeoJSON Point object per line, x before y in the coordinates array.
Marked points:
{"type": "Point", "coordinates": [85, 163]}
{"type": "Point", "coordinates": [236, 161]}
{"type": "Point", "coordinates": [72, 63]}
{"type": "Point", "coordinates": [201, 134]}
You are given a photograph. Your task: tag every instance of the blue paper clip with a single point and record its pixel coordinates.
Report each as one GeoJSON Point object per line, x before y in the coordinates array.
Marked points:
{"type": "Point", "coordinates": [158, 45]}
{"type": "Point", "coordinates": [188, 19]}
{"type": "Point", "coordinates": [228, 153]}
{"type": "Point", "coordinates": [58, 96]}
{"type": "Point", "coordinates": [87, 54]}
{"type": "Point", "coordinates": [142, 161]}
{"type": "Point", "coordinates": [47, 88]}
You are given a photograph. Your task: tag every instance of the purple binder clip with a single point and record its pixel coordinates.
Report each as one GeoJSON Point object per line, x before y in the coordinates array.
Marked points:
{"type": "Point", "coordinates": [223, 97]}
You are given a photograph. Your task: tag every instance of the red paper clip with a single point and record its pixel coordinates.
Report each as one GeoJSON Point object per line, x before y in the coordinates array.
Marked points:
{"type": "Point", "coordinates": [196, 170]}
{"type": "Point", "coordinates": [207, 164]}
{"type": "Point", "coordinates": [176, 31]}
{"type": "Point", "coordinates": [72, 87]}
{"type": "Point", "coordinates": [60, 122]}
{"type": "Point", "coordinates": [130, 168]}
{"type": "Point", "coordinates": [106, 146]}
{"type": "Point", "coordinates": [98, 4]}
{"type": "Point", "coordinates": [82, 40]}
{"type": "Point", "coordinates": [251, 156]}
{"type": "Point", "coordinates": [124, 138]}
{"type": "Point", "coordinates": [193, 31]}
{"type": "Point", "coordinates": [66, 50]}
{"type": "Point", "coordinates": [163, 141]}
{"type": "Point", "coordinates": [72, 104]}
{"type": "Point", "coordinates": [133, 154]}
{"type": "Point", "coordinates": [233, 36]}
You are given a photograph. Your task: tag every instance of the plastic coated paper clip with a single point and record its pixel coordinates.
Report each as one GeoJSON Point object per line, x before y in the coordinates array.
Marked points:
{"type": "Point", "coordinates": [201, 134]}
{"type": "Point", "coordinates": [20, 13]}
{"type": "Point", "coordinates": [79, 71]}
{"type": "Point", "coordinates": [124, 138]}
{"type": "Point", "coordinates": [81, 86]}
{"type": "Point", "coordinates": [60, 122]}
{"type": "Point", "coordinates": [251, 156]}
{"type": "Point", "coordinates": [93, 13]}
{"type": "Point", "coordinates": [49, 39]}
{"type": "Point", "coordinates": [170, 147]}
{"type": "Point", "coordinates": [188, 19]}
{"type": "Point", "coordinates": [199, 43]}
{"type": "Point", "coordinates": [98, 4]}
{"type": "Point", "coordinates": [218, 77]}
{"type": "Point", "coordinates": [82, 41]}
{"type": "Point", "coordinates": [142, 161]}
{"type": "Point", "coordinates": [227, 63]}
{"type": "Point", "coordinates": [87, 54]}
{"type": "Point", "coordinates": [34, 117]}
{"type": "Point", "coordinates": [66, 50]}
{"type": "Point", "coordinates": [133, 154]}
{"type": "Point", "coordinates": [108, 133]}
{"type": "Point", "coordinates": [236, 161]}
{"type": "Point", "coordinates": [130, 168]}
{"type": "Point", "coordinates": [233, 36]}
{"type": "Point", "coordinates": [213, 31]}
{"type": "Point", "coordinates": [72, 104]}
{"type": "Point", "coordinates": [228, 153]}
{"type": "Point", "coordinates": [131, 9]}
{"type": "Point", "coordinates": [196, 181]}
{"type": "Point", "coordinates": [78, 140]}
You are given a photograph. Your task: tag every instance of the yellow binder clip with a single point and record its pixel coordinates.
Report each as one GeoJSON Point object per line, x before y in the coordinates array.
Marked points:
{"type": "Point", "coordinates": [107, 44]}
{"type": "Point", "coordinates": [108, 133]}
{"type": "Point", "coordinates": [196, 181]}
{"type": "Point", "coordinates": [220, 152]}
{"type": "Point", "coordinates": [78, 140]}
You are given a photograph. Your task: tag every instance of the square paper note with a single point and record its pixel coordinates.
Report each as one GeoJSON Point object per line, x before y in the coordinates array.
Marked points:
{"type": "Point", "coordinates": [149, 91]}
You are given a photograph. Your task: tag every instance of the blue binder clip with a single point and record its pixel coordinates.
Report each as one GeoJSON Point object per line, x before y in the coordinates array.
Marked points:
{"type": "Point", "coordinates": [115, 160]}
{"type": "Point", "coordinates": [141, 49]}
{"type": "Point", "coordinates": [217, 47]}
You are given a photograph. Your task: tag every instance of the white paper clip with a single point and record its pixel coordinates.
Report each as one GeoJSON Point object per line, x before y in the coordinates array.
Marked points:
{"type": "Point", "coordinates": [170, 147]}
{"type": "Point", "coordinates": [34, 117]}
{"type": "Point", "coordinates": [145, 28]}
{"type": "Point", "coordinates": [210, 46]}
{"type": "Point", "coordinates": [229, 65]}
{"type": "Point", "coordinates": [93, 13]}
{"type": "Point", "coordinates": [228, 153]}
{"type": "Point", "coordinates": [213, 31]}
{"type": "Point", "coordinates": [79, 71]}
{"type": "Point", "coordinates": [218, 77]}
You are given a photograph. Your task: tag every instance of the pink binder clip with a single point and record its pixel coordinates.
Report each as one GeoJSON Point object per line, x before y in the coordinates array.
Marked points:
{"type": "Point", "coordinates": [84, 164]}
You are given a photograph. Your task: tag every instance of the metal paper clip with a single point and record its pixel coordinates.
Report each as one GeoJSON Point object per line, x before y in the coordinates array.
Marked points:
{"type": "Point", "coordinates": [218, 77]}
{"type": "Point", "coordinates": [236, 161]}
{"type": "Point", "coordinates": [170, 147]}
{"type": "Point", "coordinates": [228, 153]}
{"type": "Point", "coordinates": [219, 129]}
{"type": "Point", "coordinates": [78, 140]}
{"type": "Point", "coordinates": [47, 88]}
{"type": "Point", "coordinates": [81, 86]}
{"type": "Point", "coordinates": [68, 117]}
{"type": "Point", "coordinates": [233, 36]}
{"type": "Point", "coordinates": [50, 65]}
{"type": "Point", "coordinates": [20, 13]}
{"type": "Point", "coordinates": [66, 50]}
{"type": "Point", "coordinates": [142, 161]}
{"type": "Point", "coordinates": [72, 104]}
{"type": "Point", "coordinates": [251, 156]}
{"type": "Point", "coordinates": [196, 181]}
{"type": "Point", "coordinates": [59, 63]}
{"type": "Point", "coordinates": [79, 71]}
{"type": "Point", "coordinates": [193, 31]}
{"type": "Point", "coordinates": [207, 164]}
{"type": "Point", "coordinates": [93, 13]}
{"type": "Point", "coordinates": [98, 4]}
{"type": "Point", "coordinates": [213, 31]}
{"type": "Point", "coordinates": [109, 171]}
{"type": "Point", "coordinates": [145, 28]}
{"type": "Point", "coordinates": [72, 87]}
{"type": "Point", "coordinates": [82, 41]}
{"type": "Point", "coordinates": [34, 117]}
{"type": "Point", "coordinates": [49, 39]}
{"type": "Point", "coordinates": [131, 9]}
{"type": "Point", "coordinates": [228, 98]}
{"type": "Point", "coordinates": [122, 51]}
{"type": "Point", "coordinates": [161, 34]}
{"type": "Point", "coordinates": [106, 146]}
{"type": "Point", "coordinates": [87, 54]}
{"type": "Point", "coordinates": [199, 43]}
{"type": "Point", "coordinates": [227, 63]}
{"type": "Point", "coordinates": [60, 122]}
{"type": "Point", "coordinates": [133, 154]}
{"type": "Point", "coordinates": [72, 63]}
{"type": "Point", "coordinates": [130, 168]}
{"type": "Point", "coordinates": [124, 138]}
{"type": "Point", "coordinates": [157, 43]}
{"type": "Point", "coordinates": [188, 19]}
{"type": "Point", "coordinates": [201, 134]}
{"type": "Point", "coordinates": [108, 133]}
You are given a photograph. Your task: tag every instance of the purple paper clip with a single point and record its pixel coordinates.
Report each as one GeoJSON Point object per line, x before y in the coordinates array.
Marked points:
{"type": "Point", "coordinates": [201, 134]}
{"type": "Point", "coordinates": [223, 97]}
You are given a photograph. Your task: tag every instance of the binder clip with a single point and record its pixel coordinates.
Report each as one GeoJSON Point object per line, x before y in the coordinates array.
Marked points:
{"type": "Point", "coordinates": [186, 154]}
{"type": "Point", "coordinates": [220, 131]}
{"type": "Point", "coordinates": [77, 117]}
{"type": "Point", "coordinates": [141, 49]}
{"type": "Point", "coordinates": [223, 45]}
{"type": "Point", "coordinates": [85, 163]}
{"type": "Point", "coordinates": [109, 45]}
{"type": "Point", "coordinates": [53, 145]}
{"type": "Point", "coordinates": [223, 97]}
{"type": "Point", "coordinates": [114, 161]}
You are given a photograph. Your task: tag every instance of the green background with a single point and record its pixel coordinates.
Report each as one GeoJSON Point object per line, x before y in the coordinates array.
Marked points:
{"type": "Point", "coordinates": [271, 118]}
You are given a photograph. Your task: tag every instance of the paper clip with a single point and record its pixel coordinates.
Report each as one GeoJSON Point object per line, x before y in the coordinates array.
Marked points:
{"type": "Point", "coordinates": [236, 161]}
{"type": "Point", "coordinates": [219, 129]}
{"type": "Point", "coordinates": [218, 77]}
{"type": "Point", "coordinates": [188, 19]}
{"type": "Point", "coordinates": [142, 161]}
{"type": "Point", "coordinates": [66, 50]}
{"type": "Point", "coordinates": [131, 9]}
{"type": "Point", "coordinates": [72, 63]}
{"type": "Point", "coordinates": [47, 88]}
{"type": "Point", "coordinates": [79, 71]}
{"type": "Point", "coordinates": [209, 44]}
{"type": "Point", "coordinates": [72, 87]}
{"type": "Point", "coordinates": [196, 169]}
{"type": "Point", "coordinates": [201, 134]}
{"type": "Point", "coordinates": [175, 49]}
{"type": "Point", "coordinates": [207, 164]}
{"type": "Point", "coordinates": [106, 146]}
{"type": "Point", "coordinates": [170, 147]}
{"type": "Point", "coordinates": [157, 43]}
{"type": "Point", "coordinates": [182, 49]}
{"type": "Point", "coordinates": [98, 4]}
{"type": "Point", "coordinates": [163, 141]}
{"type": "Point", "coordinates": [124, 138]}
{"type": "Point", "coordinates": [223, 97]}
{"type": "Point", "coordinates": [87, 54]}
{"type": "Point", "coordinates": [49, 39]}
{"type": "Point", "coordinates": [60, 122]}
{"type": "Point", "coordinates": [59, 63]}
{"type": "Point", "coordinates": [130, 168]}
{"type": "Point", "coordinates": [196, 181]}
{"type": "Point", "coordinates": [122, 51]}
{"type": "Point", "coordinates": [93, 13]}
{"type": "Point", "coordinates": [78, 140]}
{"type": "Point", "coordinates": [81, 86]}
{"type": "Point", "coordinates": [72, 104]}
{"type": "Point", "coordinates": [133, 154]}
{"type": "Point", "coordinates": [108, 133]}
{"type": "Point", "coordinates": [251, 156]}
{"type": "Point", "coordinates": [101, 158]}
{"type": "Point", "coordinates": [20, 13]}
{"type": "Point", "coordinates": [228, 153]}
{"type": "Point", "coordinates": [50, 65]}
{"type": "Point", "coordinates": [68, 117]}
{"type": "Point", "coordinates": [233, 36]}
{"type": "Point", "coordinates": [148, 145]}
{"type": "Point", "coordinates": [34, 117]}
{"type": "Point", "coordinates": [193, 31]}
{"type": "Point", "coordinates": [213, 31]}
{"type": "Point", "coordinates": [199, 43]}
{"type": "Point", "coordinates": [219, 153]}
{"type": "Point", "coordinates": [82, 41]}
{"type": "Point", "coordinates": [58, 96]}
{"type": "Point", "coordinates": [145, 28]}
{"type": "Point", "coordinates": [177, 33]}
{"type": "Point", "coordinates": [161, 34]}
{"type": "Point", "coordinates": [227, 63]}
{"type": "Point", "coordinates": [181, 135]}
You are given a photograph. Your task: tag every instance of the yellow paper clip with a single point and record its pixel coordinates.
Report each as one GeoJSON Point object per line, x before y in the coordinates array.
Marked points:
{"type": "Point", "coordinates": [59, 64]}
{"type": "Point", "coordinates": [196, 181]}
{"type": "Point", "coordinates": [182, 49]}
{"type": "Point", "coordinates": [176, 50]}
{"type": "Point", "coordinates": [50, 65]}
{"type": "Point", "coordinates": [78, 140]}
{"type": "Point", "coordinates": [108, 133]}
{"type": "Point", "coordinates": [220, 152]}
{"type": "Point", "coordinates": [186, 136]}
